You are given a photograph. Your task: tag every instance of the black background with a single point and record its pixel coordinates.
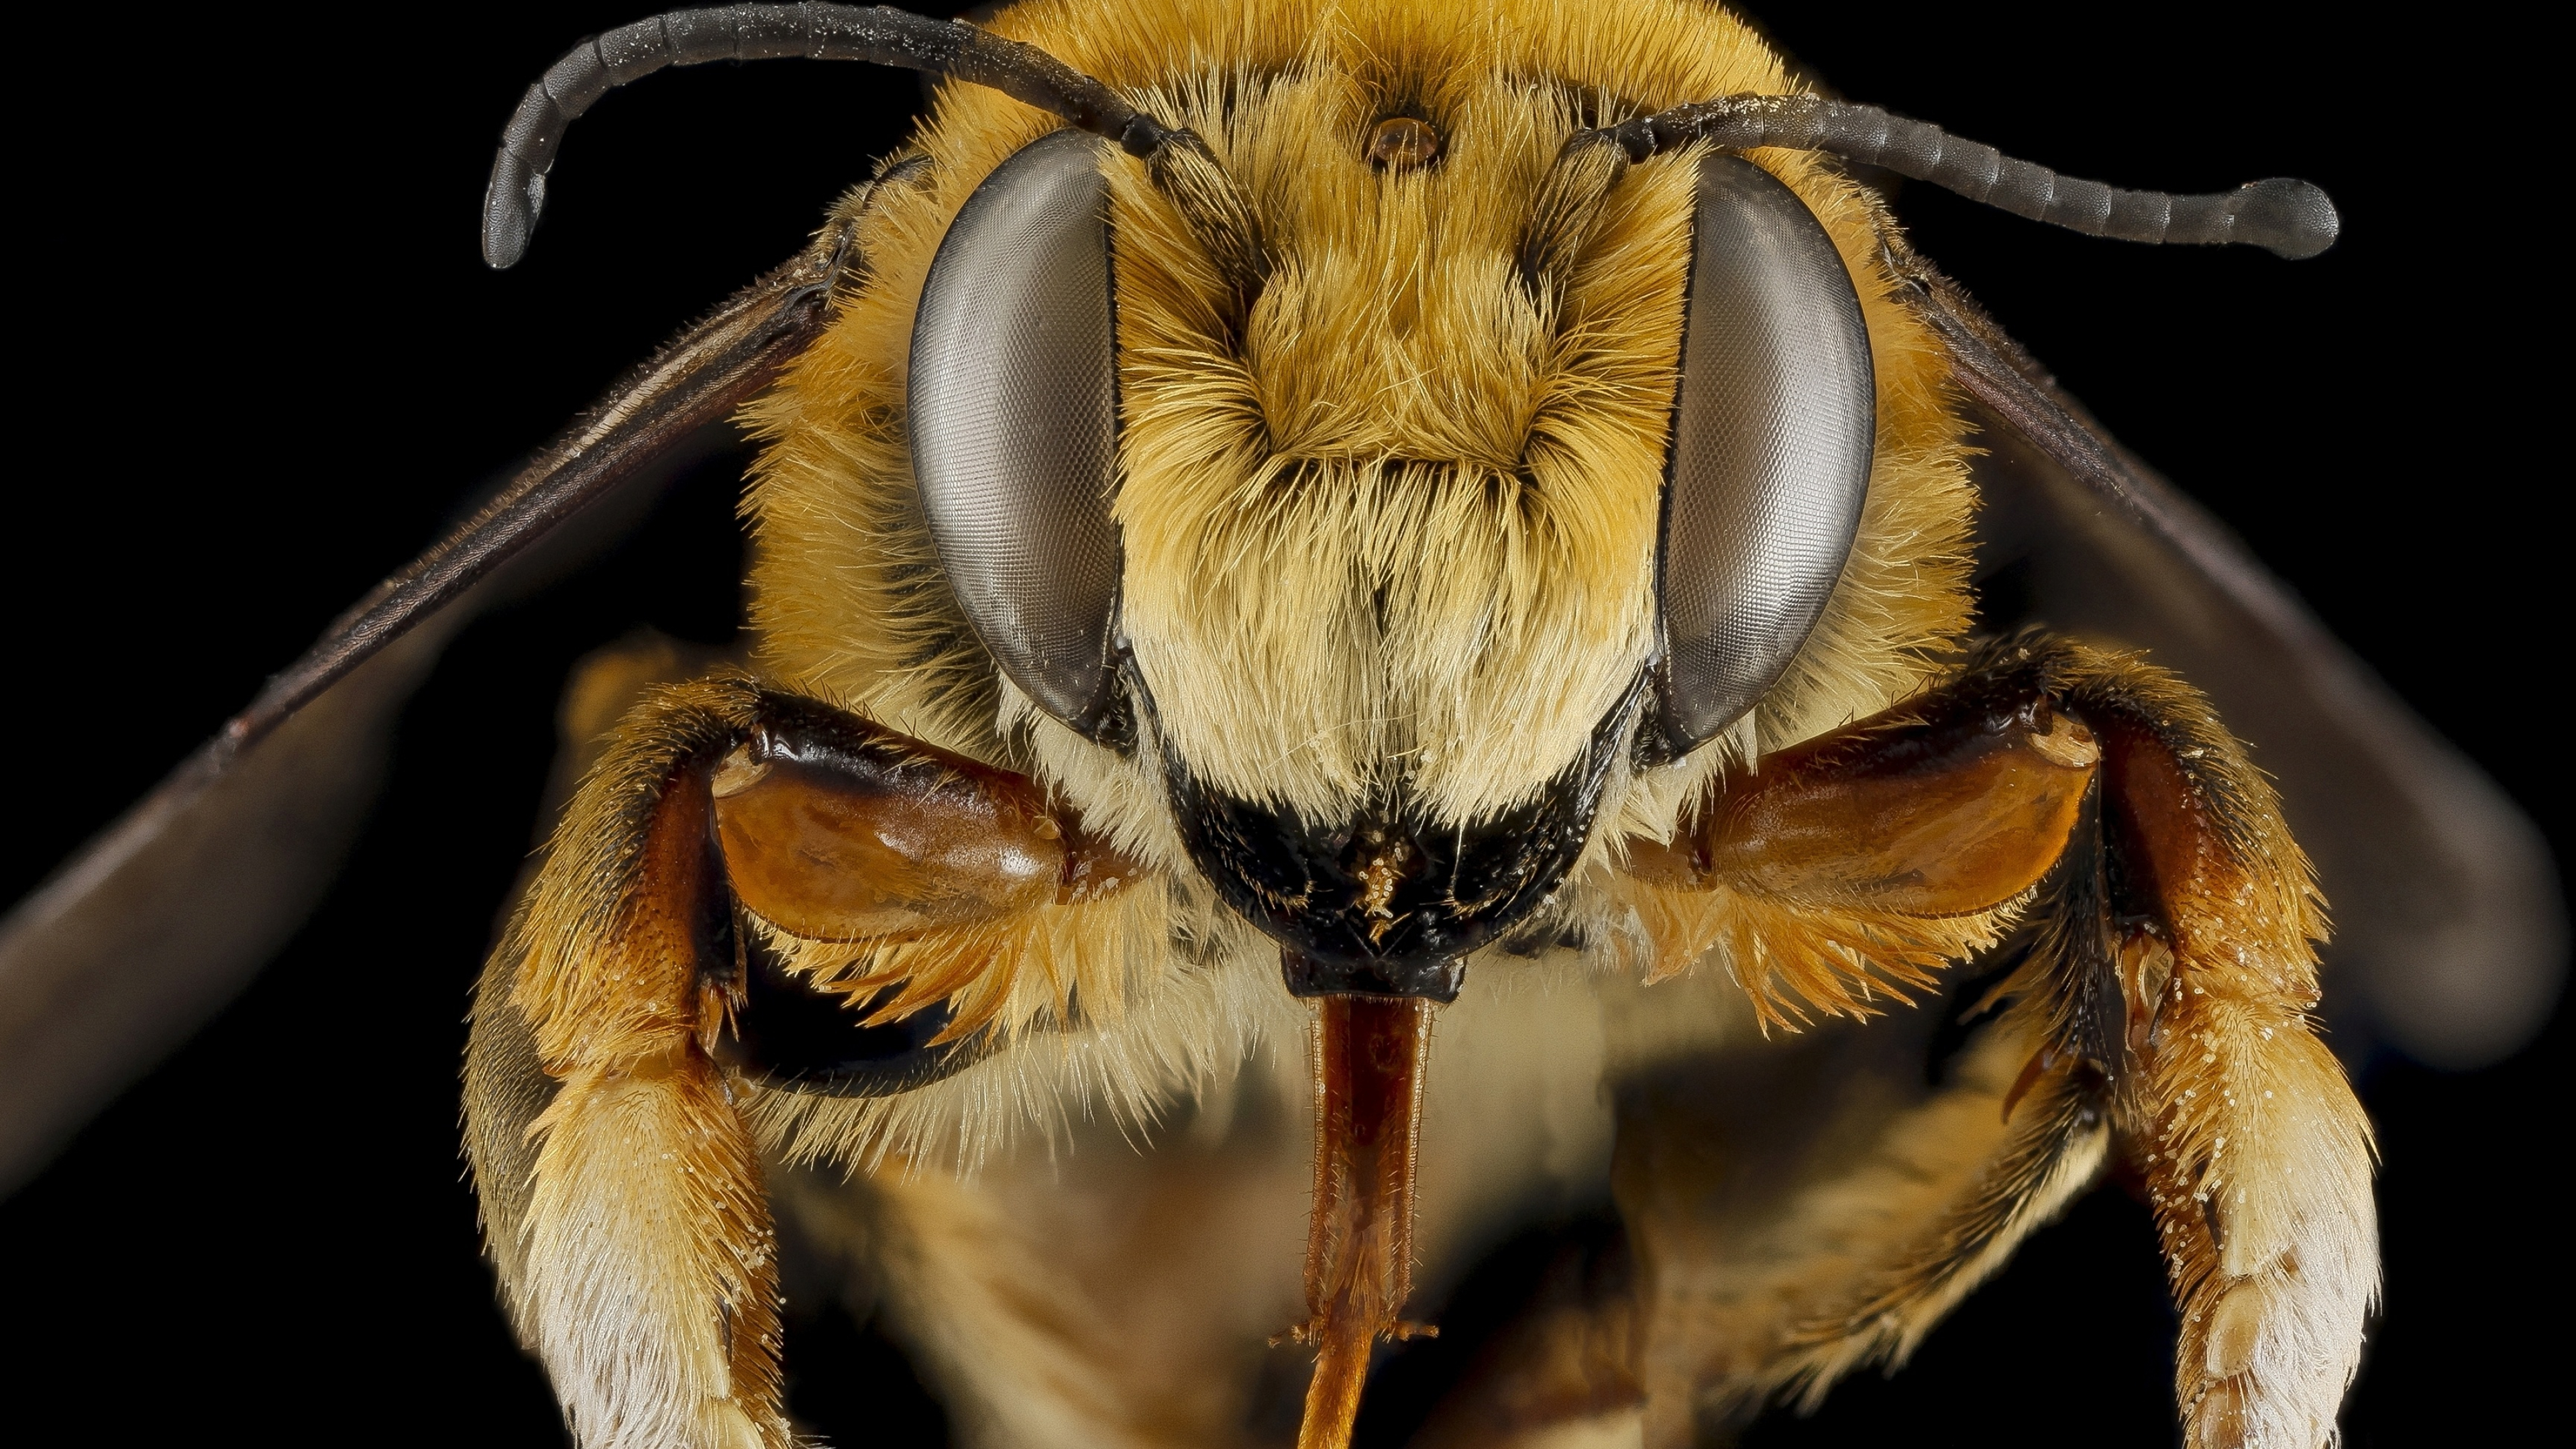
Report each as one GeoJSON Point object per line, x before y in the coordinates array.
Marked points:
{"type": "Point", "coordinates": [261, 362]}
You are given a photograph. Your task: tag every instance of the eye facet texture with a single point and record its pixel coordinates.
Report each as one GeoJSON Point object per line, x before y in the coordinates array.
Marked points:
{"type": "Point", "coordinates": [1772, 437]}
{"type": "Point", "coordinates": [1013, 410]}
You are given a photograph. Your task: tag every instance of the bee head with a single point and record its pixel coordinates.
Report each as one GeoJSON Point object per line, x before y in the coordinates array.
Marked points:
{"type": "Point", "coordinates": [1384, 432]}
{"type": "Point", "coordinates": [1386, 555]}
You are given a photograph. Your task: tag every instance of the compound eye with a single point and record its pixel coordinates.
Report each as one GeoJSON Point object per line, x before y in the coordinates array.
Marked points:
{"type": "Point", "coordinates": [1771, 445]}
{"type": "Point", "coordinates": [1013, 420]}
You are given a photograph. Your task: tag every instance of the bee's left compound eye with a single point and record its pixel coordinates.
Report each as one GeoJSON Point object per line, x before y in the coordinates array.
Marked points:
{"type": "Point", "coordinates": [1013, 416]}
{"type": "Point", "coordinates": [1771, 447]}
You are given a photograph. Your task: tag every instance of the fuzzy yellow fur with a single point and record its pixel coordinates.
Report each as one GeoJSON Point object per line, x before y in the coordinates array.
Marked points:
{"type": "Point", "coordinates": [1079, 1033]}
{"type": "Point", "coordinates": [1398, 518]}
{"type": "Point", "coordinates": [1403, 519]}
{"type": "Point", "coordinates": [1790, 956]}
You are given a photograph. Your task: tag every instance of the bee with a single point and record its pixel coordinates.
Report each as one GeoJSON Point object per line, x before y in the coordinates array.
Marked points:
{"type": "Point", "coordinates": [1330, 584]}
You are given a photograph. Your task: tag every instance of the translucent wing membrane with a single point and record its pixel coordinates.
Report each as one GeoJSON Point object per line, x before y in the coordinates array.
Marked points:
{"type": "Point", "coordinates": [162, 917]}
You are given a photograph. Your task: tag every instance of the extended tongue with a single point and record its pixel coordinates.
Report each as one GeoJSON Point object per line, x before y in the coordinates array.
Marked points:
{"type": "Point", "coordinates": [1359, 1250]}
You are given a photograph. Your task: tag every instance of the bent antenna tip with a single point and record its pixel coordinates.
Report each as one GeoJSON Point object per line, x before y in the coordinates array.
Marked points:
{"type": "Point", "coordinates": [511, 205]}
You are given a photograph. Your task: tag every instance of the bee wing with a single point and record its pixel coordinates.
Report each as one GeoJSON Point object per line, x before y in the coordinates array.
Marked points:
{"type": "Point", "coordinates": [2450, 935]}
{"type": "Point", "coordinates": [168, 912]}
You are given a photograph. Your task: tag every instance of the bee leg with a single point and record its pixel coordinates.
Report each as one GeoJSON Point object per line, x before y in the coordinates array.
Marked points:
{"type": "Point", "coordinates": [635, 1242]}
{"type": "Point", "coordinates": [2175, 966]}
{"type": "Point", "coordinates": [1848, 871]}
{"type": "Point", "coordinates": [2036, 1098]}
{"type": "Point", "coordinates": [2164, 1000]}
{"type": "Point", "coordinates": [647, 1275]}
{"type": "Point", "coordinates": [506, 1087]}
{"type": "Point", "coordinates": [2255, 1152]}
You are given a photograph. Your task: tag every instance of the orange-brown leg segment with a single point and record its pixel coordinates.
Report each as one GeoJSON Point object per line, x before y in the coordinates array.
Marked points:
{"type": "Point", "coordinates": [1940, 807]}
{"type": "Point", "coordinates": [2168, 977]}
{"type": "Point", "coordinates": [1863, 861]}
{"type": "Point", "coordinates": [646, 1267]}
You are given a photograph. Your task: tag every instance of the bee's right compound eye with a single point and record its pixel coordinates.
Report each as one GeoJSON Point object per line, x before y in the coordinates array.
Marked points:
{"type": "Point", "coordinates": [1013, 416]}
{"type": "Point", "coordinates": [1771, 446]}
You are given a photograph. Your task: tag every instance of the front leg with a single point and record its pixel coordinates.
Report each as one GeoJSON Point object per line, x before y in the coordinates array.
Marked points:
{"type": "Point", "coordinates": [2167, 982]}
{"type": "Point", "coordinates": [636, 1247]}
{"type": "Point", "coordinates": [2256, 1153]}
{"type": "Point", "coordinates": [647, 1255]}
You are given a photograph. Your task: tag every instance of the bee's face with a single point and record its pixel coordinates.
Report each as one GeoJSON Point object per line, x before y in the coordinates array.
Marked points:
{"type": "Point", "coordinates": [1354, 590]}
{"type": "Point", "coordinates": [1389, 552]}
{"type": "Point", "coordinates": [1398, 538]}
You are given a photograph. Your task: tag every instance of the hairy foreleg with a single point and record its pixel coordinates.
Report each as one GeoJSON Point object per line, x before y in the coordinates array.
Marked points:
{"type": "Point", "coordinates": [635, 1243]}
{"type": "Point", "coordinates": [2168, 982]}
{"type": "Point", "coordinates": [649, 1280]}
{"type": "Point", "coordinates": [2256, 1154]}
